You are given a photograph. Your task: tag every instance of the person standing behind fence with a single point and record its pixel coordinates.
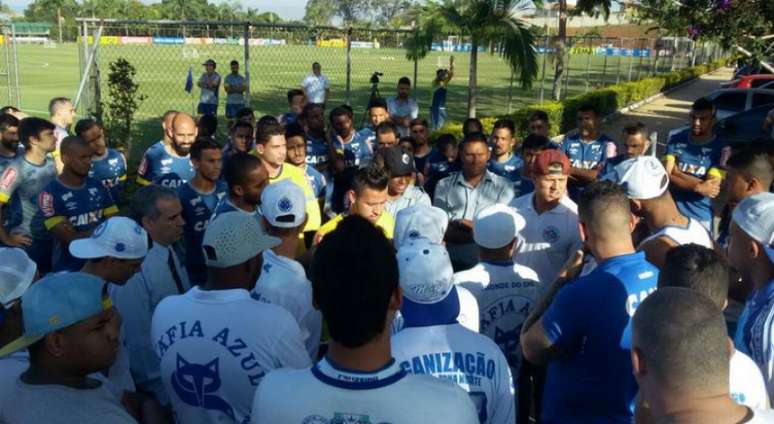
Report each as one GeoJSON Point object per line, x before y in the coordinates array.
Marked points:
{"type": "Point", "coordinates": [316, 86]}
{"type": "Point", "coordinates": [235, 86]}
{"type": "Point", "coordinates": [403, 108]}
{"type": "Point", "coordinates": [209, 82]}
{"type": "Point", "coordinates": [438, 105]}
{"type": "Point", "coordinates": [62, 115]}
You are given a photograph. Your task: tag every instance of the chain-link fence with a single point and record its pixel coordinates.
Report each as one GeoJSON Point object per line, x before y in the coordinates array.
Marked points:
{"type": "Point", "coordinates": [278, 57]}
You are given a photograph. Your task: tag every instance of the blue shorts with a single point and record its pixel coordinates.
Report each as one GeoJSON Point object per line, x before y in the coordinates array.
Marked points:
{"type": "Point", "coordinates": [207, 109]}
{"type": "Point", "coordinates": [232, 109]}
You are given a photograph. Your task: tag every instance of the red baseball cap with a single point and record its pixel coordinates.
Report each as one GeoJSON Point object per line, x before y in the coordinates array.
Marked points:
{"type": "Point", "coordinates": [551, 162]}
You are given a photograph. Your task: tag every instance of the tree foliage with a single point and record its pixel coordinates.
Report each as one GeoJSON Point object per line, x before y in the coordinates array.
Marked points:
{"type": "Point", "coordinates": [124, 99]}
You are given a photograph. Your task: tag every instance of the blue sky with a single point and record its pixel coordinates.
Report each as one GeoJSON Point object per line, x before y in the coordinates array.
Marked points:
{"type": "Point", "coordinates": [287, 9]}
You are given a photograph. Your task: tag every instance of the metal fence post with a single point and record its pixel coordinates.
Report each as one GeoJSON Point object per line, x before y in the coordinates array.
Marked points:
{"type": "Point", "coordinates": [247, 61]}
{"type": "Point", "coordinates": [588, 65]}
{"type": "Point", "coordinates": [631, 62]}
{"type": "Point", "coordinates": [349, 66]}
{"type": "Point", "coordinates": [568, 67]}
{"type": "Point", "coordinates": [16, 67]}
{"type": "Point", "coordinates": [618, 66]}
{"type": "Point", "coordinates": [639, 62]}
{"type": "Point", "coordinates": [543, 77]}
{"type": "Point", "coordinates": [604, 67]}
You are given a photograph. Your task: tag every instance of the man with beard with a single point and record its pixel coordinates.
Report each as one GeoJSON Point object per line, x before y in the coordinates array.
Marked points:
{"type": "Point", "coordinates": [694, 160]}
{"type": "Point", "coordinates": [10, 150]}
{"type": "Point", "coordinates": [73, 204]}
{"type": "Point", "coordinates": [587, 150]}
{"type": "Point", "coordinates": [173, 158]}
{"type": "Point", "coordinates": [505, 162]}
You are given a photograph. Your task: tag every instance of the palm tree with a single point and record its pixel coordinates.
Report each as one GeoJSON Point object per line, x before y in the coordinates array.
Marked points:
{"type": "Point", "coordinates": [485, 23]}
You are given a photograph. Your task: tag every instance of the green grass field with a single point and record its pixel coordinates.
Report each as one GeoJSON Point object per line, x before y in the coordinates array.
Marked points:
{"type": "Point", "coordinates": [161, 73]}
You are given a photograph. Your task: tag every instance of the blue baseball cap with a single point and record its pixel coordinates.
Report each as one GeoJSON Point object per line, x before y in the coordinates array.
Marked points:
{"type": "Point", "coordinates": [57, 302]}
{"type": "Point", "coordinates": [426, 279]}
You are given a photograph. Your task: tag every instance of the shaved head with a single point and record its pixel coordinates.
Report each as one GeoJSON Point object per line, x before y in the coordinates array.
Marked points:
{"type": "Point", "coordinates": [183, 133]}
{"type": "Point", "coordinates": [604, 210]}
{"type": "Point", "coordinates": [680, 340]}
{"type": "Point", "coordinates": [71, 142]}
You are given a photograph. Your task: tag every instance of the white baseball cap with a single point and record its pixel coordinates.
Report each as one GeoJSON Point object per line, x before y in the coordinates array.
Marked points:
{"type": "Point", "coordinates": [283, 204]}
{"type": "Point", "coordinates": [118, 237]}
{"type": "Point", "coordinates": [642, 177]}
{"type": "Point", "coordinates": [426, 278]}
{"type": "Point", "coordinates": [755, 216]}
{"type": "Point", "coordinates": [17, 271]}
{"type": "Point", "coordinates": [420, 221]}
{"type": "Point", "coordinates": [233, 239]}
{"type": "Point", "coordinates": [496, 226]}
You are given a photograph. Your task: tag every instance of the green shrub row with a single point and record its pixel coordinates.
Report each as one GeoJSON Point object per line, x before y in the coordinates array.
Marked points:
{"type": "Point", "coordinates": [606, 100]}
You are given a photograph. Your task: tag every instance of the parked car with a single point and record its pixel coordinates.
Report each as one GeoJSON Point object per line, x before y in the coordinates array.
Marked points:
{"type": "Point", "coordinates": [729, 101]}
{"type": "Point", "coordinates": [750, 70]}
{"type": "Point", "coordinates": [741, 128]}
{"type": "Point", "coordinates": [751, 81]}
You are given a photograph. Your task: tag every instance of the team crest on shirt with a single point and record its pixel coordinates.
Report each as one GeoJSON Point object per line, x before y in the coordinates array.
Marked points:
{"type": "Point", "coordinates": [340, 418]}
{"type": "Point", "coordinates": [502, 320]}
{"type": "Point", "coordinates": [551, 234]}
{"type": "Point", "coordinates": [197, 385]}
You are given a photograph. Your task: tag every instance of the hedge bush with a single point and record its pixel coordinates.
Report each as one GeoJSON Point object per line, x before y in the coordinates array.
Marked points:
{"type": "Point", "coordinates": [606, 100]}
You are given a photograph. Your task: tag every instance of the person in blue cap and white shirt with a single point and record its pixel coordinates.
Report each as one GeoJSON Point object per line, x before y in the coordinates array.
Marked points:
{"type": "Point", "coordinates": [17, 272]}
{"type": "Point", "coordinates": [158, 210]}
{"type": "Point", "coordinates": [422, 221]}
{"type": "Point", "coordinates": [751, 253]}
{"type": "Point", "coordinates": [582, 330]}
{"type": "Point", "coordinates": [355, 285]}
{"type": "Point", "coordinates": [506, 291]}
{"type": "Point", "coordinates": [71, 331]}
{"type": "Point", "coordinates": [283, 280]}
{"type": "Point", "coordinates": [215, 342]}
{"type": "Point", "coordinates": [432, 336]}
{"type": "Point", "coordinates": [114, 253]}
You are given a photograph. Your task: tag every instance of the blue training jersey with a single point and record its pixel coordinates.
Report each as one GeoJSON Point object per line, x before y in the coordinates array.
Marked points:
{"type": "Point", "coordinates": [84, 208]}
{"type": "Point", "coordinates": [316, 180]}
{"type": "Point", "coordinates": [110, 171]}
{"type": "Point", "coordinates": [171, 180]}
{"type": "Point", "coordinates": [700, 161]}
{"type": "Point", "coordinates": [357, 152]}
{"type": "Point", "coordinates": [584, 155]}
{"type": "Point", "coordinates": [12, 214]}
{"type": "Point", "coordinates": [316, 151]}
{"type": "Point", "coordinates": [510, 169]}
{"type": "Point", "coordinates": [590, 321]}
{"type": "Point", "coordinates": [157, 162]}
{"type": "Point", "coordinates": [197, 210]}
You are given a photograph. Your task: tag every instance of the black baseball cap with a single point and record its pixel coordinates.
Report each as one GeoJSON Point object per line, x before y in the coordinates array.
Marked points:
{"type": "Point", "coordinates": [398, 162]}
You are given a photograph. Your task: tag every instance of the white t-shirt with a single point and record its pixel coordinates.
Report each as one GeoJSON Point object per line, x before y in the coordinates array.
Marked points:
{"type": "Point", "coordinates": [329, 394]}
{"type": "Point", "coordinates": [470, 360]}
{"type": "Point", "coordinates": [549, 239]}
{"type": "Point", "coordinates": [693, 233]}
{"type": "Point", "coordinates": [54, 404]}
{"type": "Point", "coordinates": [215, 348]}
{"type": "Point", "coordinates": [283, 283]}
{"type": "Point", "coordinates": [468, 316]}
{"type": "Point", "coordinates": [746, 382]}
{"type": "Point", "coordinates": [315, 88]}
{"type": "Point", "coordinates": [506, 293]}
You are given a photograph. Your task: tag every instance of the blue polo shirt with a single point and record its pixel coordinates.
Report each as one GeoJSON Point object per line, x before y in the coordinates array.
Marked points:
{"type": "Point", "coordinates": [110, 171]}
{"type": "Point", "coordinates": [590, 320]}
{"type": "Point", "coordinates": [700, 161]}
{"type": "Point", "coordinates": [197, 210]}
{"type": "Point", "coordinates": [316, 151]}
{"type": "Point", "coordinates": [510, 169]}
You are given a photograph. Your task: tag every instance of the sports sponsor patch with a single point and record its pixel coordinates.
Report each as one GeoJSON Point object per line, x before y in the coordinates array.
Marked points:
{"type": "Point", "coordinates": [46, 203]}
{"type": "Point", "coordinates": [9, 178]}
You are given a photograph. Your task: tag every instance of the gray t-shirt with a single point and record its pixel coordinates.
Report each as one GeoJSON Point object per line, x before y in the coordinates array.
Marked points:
{"type": "Point", "coordinates": [28, 180]}
{"type": "Point", "coordinates": [235, 98]}
{"type": "Point", "coordinates": [412, 196]}
{"type": "Point", "coordinates": [54, 404]}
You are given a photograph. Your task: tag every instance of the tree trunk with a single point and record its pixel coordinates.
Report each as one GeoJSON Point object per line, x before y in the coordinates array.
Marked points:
{"type": "Point", "coordinates": [561, 47]}
{"type": "Point", "coordinates": [472, 85]}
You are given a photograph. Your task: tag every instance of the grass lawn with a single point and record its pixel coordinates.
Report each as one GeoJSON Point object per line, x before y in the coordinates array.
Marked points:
{"type": "Point", "coordinates": [161, 73]}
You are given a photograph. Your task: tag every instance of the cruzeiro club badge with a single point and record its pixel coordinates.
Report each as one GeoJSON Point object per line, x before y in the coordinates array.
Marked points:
{"type": "Point", "coordinates": [502, 320]}
{"type": "Point", "coordinates": [340, 418]}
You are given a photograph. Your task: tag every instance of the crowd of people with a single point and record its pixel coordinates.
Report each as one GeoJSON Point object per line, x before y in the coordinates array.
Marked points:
{"type": "Point", "coordinates": [305, 271]}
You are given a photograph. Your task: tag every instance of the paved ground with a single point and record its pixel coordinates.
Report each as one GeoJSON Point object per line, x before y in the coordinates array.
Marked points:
{"type": "Point", "coordinates": [671, 110]}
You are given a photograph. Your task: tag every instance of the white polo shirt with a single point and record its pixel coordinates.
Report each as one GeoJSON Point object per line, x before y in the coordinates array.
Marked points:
{"type": "Point", "coordinates": [329, 394]}
{"type": "Point", "coordinates": [283, 283]}
{"type": "Point", "coordinates": [215, 348]}
{"type": "Point", "coordinates": [470, 360]}
{"type": "Point", "coordinates": [746, 382]}
{"type": "Point", "coordinates": [549, 239]}
{"type": "Point", "coordinates": [506, 293]}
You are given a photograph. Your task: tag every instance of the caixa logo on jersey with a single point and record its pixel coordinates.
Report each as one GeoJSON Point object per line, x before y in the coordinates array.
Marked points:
{"type": "Point", "coordinates": [341, 418]}
{"type": "Point", "coordinates": [502, 320]}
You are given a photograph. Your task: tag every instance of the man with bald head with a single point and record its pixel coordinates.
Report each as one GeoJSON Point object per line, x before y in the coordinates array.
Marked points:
{"type": "Point", "coordinates": [166, 139]}
{"type": "Point", "coordinates": [580, 329]}
{"type": "Point", "coordinates": [680, 358]}
{"type": "Point", "coordinates": [171, 165]}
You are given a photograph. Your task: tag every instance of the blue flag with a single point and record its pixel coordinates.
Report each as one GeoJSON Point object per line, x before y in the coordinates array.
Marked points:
{"type": "Point", "coordinates": [189, 81]}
